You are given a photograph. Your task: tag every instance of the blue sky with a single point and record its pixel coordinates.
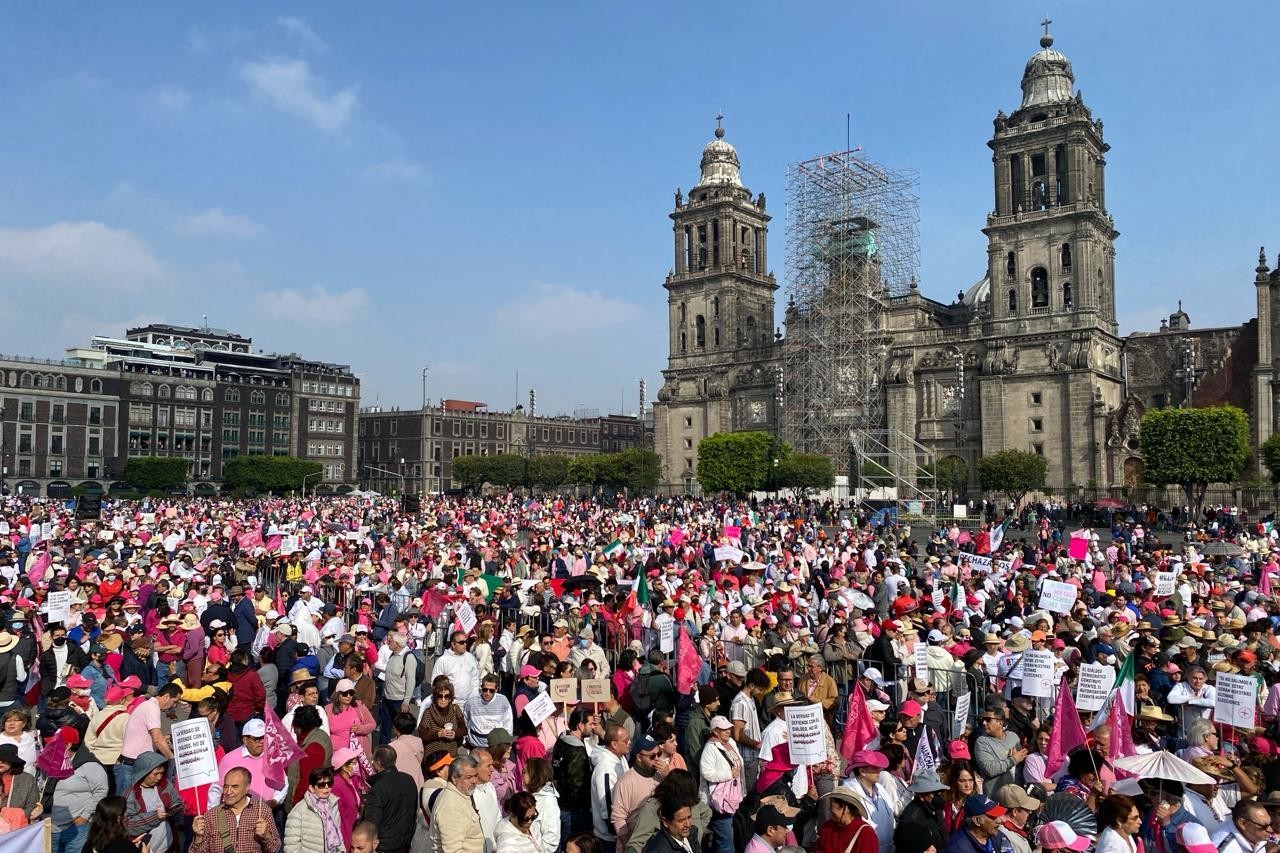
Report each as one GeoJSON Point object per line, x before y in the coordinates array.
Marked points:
{"type": "Point", "coordinates": [484, 188]}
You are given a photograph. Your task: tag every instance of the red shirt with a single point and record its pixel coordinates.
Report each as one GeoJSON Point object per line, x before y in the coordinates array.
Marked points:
{"type": "Point", "coordinates": [834, 837]}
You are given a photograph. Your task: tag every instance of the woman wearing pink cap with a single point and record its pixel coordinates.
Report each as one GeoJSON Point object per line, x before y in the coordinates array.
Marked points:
{"type": "Point", "coordinates": [1057, 835]}
{"type": "Point", "coordinates": [350, 722]}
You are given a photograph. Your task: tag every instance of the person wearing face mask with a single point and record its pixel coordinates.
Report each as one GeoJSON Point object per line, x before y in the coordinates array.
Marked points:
{"type": "Point", "coordinates": [925, 808]}
{"type": "Point", "coordinates": [586, 649]}
{"type": "Point", "coordinates": [59, 660]}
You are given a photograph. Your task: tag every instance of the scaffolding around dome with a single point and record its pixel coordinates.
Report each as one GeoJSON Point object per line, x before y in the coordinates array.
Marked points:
{"type": "Point", "coordinates": [852, 245]}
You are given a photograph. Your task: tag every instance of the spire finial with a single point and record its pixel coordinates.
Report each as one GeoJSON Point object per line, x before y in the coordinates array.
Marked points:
{"type": "Point", "coordinates": [719, 126]}
{"type": "Point", "coordinates": [1046, 40]}
{"type": "Point", "coordinates": [1262, 260]}
{"type": "Point", "coordinates": [1179, 305]}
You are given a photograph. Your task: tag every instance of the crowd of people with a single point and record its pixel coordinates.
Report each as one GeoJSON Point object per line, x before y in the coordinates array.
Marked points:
{"type": "Point", "coordinates": [512, 675]}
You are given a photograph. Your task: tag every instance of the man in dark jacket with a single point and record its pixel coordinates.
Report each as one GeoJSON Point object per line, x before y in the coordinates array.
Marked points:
{"type": "Point", "coordinates": [246, 618]}
{"type": "Point", "coordinates": [59, 660]}
{"type": "Point", "coordinates": [925, 808]}
{"type": "Point", "coordinates": [390, 803]}
{"type": "Point", "coordinates": [662, 692]}
{"type": "Point", "coordinates": [572, 769]}
{"type": "Point", "coordinates": [699, 728]}
{"type": "Point", "coordinates": [981, 833]}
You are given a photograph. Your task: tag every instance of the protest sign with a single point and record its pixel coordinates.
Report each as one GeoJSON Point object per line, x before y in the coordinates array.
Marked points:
{"type": "Point", "coordinates": [564, 690]}
{"type": "Point", "coordinates": [805, 734]}
{"type": "Point", "coordinates": [961, 715]}
{"type": "Point", "coordinates": [1165, 583]}
{"type": "Point", "coordinates": [922, 661]}
{"type": "Point", "coordinates": [59, 607]}
{"type": "Point", "coordinates": [595, 690]}
{"type": "Point", "coordinates": [466, 617]}
{"type": "Point", "coordinates": [938, 596]}
{"type": "Point", "coordinates": [539, 708]}
{"type": "Point", "coordinates": [1237, 700]}
{"type": "Point", "coordinates": [288, 545]}
{"type": "Point", "coordinates": [193, 754]}
{"type": "Point", "coordinates": [728, 553]}
{"type": "Point", "coordinates": [1037, 673]}
{"type": "Point", "coordinates": [1058, 597]}
{"type": "Point", "coordinates": [976, 562]}
{"type": "Point", "coordinates": [667, 636]}
{"type": "Point", "coordinates": [1093, 686]}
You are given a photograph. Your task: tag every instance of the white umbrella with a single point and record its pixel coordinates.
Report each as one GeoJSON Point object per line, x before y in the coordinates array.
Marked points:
{"type": "Point", "coordinates": [1163, 765]}
{"type": "Point", "coordinates": [862, 601]}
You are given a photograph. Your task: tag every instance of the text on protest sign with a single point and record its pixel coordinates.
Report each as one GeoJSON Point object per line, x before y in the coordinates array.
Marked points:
{"type": "Point", "coordinates": [595, 690]}
{"type": "Point", "coordinates": [466, 617]}
{"type": "Point", "coordinates": [805, 734]}
{"type": "Point", "coordinates": [564, 690]}
{"type": "Point", "coordinates": [1037, 673]}
{"type": "Point", "coordinates": [539, 708]}
{"type": "Point", "coordinates": [1058, 597]}
{"type": "Point", "coordinates": [961, 715]}
{"type": "Point", "coordinates": [193, 753]}
{"type": "Point", "coordinates": [1093, 686]}
{"type": "Point", "coordinates": [1237, 700]}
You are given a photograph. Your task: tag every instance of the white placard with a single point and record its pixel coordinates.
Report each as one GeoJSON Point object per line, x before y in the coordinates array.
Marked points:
{"type": "Point", "coordinates": [728, 553]}
{"type": "Point", "coordinates": [1165, 583]}
{"type": "Point", "coordinates": [117, 522]}
{"type": "Point", "coordinates": [193, 754]}
{"type": "Point", "coordinates": [959, 511]}
{"type": "Point", "coordinates": [288, 545]}
{"type": "Point", "coordinates": [1058, 597]}
{"type": "Point", "coordinates": [46, 530]}
{"type": "Point", "coordinates": [59, 607]}
{"type": "Point", "coordinates": [1237, 700]}
{"type": "Point", "coordinates": [148, 518]}
{"type": "Point", "coordinates": [938, 596]}
{"type": "Point", "coordinates": [1093, 686]}
{"type": "Point", "coordinates": [977, 562]}
{"type": "Point", "coordinates": [667, 636]}
{"type": "Point", "coordinates": [34, 534]}
{"type": "Point", "coordinates": [539, 708]}
{"type": "Point", "coordinates": [922, 661]}
{"type": "Point", "coordinates": [466, 616]}
{"type": "Point", "coordinates": [805, 734]}
{"type": "Point", "coordinates": [961, 715]}
{"type": "Point", "coordinates": [1037, 673]}
{"type": "Point", "coordinates": [4, 528]}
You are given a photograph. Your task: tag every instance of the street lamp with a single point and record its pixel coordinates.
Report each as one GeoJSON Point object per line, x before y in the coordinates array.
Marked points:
{"type": "Point", "coordinates": [389, 474]}
{"type": "Point", "coordinates": [305, 477]}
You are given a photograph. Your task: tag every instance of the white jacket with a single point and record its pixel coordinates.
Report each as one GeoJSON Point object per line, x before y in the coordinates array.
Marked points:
{"type": "Point", "coordinates": [547, 826]}
{"type": "Point", "coordinates": [607, 768]}
{"type": "Point", "coordinates": [509, 839]}
{"type": "Point", "coordinates": [714, 766]}
{"type": "Point", "coordinates": [462, 672]}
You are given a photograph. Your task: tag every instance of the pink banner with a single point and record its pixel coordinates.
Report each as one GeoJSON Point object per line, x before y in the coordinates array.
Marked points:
{"type": "Point", "coordinates": [688, 662]}
{"type": "Point", "coordinates": [732, 531]}
{"type": "Point", "coordinates": [1078, 548]}
{"type": "Point", "coordinates": [676, 536]}
{"type": "Point", "coordinates": [1068, 734]}
{"type": "Point", "coordinates": [250, 539]}
{"type": "Point", "coordinates": [279, 749]}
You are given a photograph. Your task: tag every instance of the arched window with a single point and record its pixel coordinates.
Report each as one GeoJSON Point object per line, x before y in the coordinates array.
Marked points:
{"type": "Point", "coordinates": [1066, 257]}
{"type": "Point", "coordinates": [751, 330]}
{"type": "Point", "coordinates": [61, 382]}
{"type": "Point", "coordinates": [163, 392]}
{"type": "Point", "coordinates": [1039, 288]}
{"type": "Point", "coordinates": [683, 310]}
{"type": "Point", "coordinates": [1013, 300]}
{"type": "Point", "coordinates": [42, 381]}
{"type": "Point", "coordinates": [207, 395]}
{"type": "Point", "coordinates": [257, 398]}
{"type": "Point", "coordinates": [1066, 294]}
{"type": "Point", "coordinates": [26, 381]}
{"type": "Point", "coordinates": [1010, 266]}
{"type": "Point", "coordinates": [232, 395]}
{"type": "Point", "coordinates": [282, 399]}
{"type": "Point", "coordinates": [700, 332]}
{"type": "Point", "coordinates": [95, 385]}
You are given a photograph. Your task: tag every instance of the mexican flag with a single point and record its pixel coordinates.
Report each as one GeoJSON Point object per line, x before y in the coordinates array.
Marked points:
{"type": "Point", "coordinates": [997, 533]}
{"type": "Point", "coordinates": [614, 548]}
{"type": "Point", "coordinates": [641, 590]}
{"type": "Point", "coordinates": [491, 584]}
{"type": "Point", "coordinates": [1123, 687]}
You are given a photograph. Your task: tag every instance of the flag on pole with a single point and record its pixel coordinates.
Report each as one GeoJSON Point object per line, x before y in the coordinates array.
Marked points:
{"type": "Point", "coordinates": [688, 663]}
{"type": "Point", "coordinates": [1121, 724]}
{"type": "Point", "coordinates": [279, 749]}
{"type": "Point", "coordinates": [1123, 687]}
{"type": "Point", "coordinates": [1067, 734]}
{"type": "Point", "coordinates": [997, 533]}
{"type": "Point", "coordinates": [859, 728]}
{"type": "Point", "coordinates": [613, 549]}
{"type": "Point", "coordinates": [491, 584]}
{"type": "Point", "coordinates": [924, 756]}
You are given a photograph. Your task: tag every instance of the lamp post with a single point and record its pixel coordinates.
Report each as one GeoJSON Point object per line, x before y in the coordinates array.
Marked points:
{"type": "Point", "coordinates": [385, 472]}
{"type": "Point", "coordinates": [306, 477]}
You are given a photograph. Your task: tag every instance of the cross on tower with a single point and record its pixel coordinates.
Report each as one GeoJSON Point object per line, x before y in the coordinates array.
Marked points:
{"type": "Point", "coordinates": [1045, 23]}
{"type": "Point", "coordinates": [719, 118]}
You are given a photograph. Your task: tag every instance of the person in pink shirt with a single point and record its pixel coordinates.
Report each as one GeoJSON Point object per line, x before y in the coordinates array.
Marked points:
{"type": "Point", "coordinates": [143, 733]}
{"type": "Point", "coordinates": [250, 757]}
{"type": "Point", "coordinates": [350, 722]}
{"type": "Point", "coordinates": [348, 790]}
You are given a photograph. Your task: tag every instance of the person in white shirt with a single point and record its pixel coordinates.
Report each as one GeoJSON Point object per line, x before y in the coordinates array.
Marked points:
{"type": "Point", "coordinates": [1248, 830]}
{"type": "Point", "coordinates": [484, 797]}
{"type": "Point", "coordinates": [306, 604]}
{"type": "Point", "coordinates": [486, 710]}
{"type": "Point", "coordinates": [1192, 699]}
{"type": "Point", "coordinates": [460, 665]}
{"type": "Point", "coordinates": [609, 762]}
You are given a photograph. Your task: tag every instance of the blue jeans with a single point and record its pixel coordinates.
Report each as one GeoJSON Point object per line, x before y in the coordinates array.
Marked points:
{"type": "Point", "coordinates": [124, 777]}
{"type": "Point", "coordinates": [70, 839]}
{"type": "Point", "coordinates": [722, 834]}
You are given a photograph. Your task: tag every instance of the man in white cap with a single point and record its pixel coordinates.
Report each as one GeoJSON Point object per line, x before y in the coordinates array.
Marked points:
{"type": "Point", "coordinates": [305, 607]}
{"type": "Point", "coordinates": [250, 757]}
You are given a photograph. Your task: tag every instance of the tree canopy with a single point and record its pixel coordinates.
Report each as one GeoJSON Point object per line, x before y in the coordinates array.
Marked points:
{"type": "Point", "coordinates": [270, 473]}
{"type": "Point", "coordinates": [1013, 473]}
{"type": "Point", "coordinates": [805, 471]}
{"type": "Point", "coordinates": [737, 462]}
{"type": "Point", "coordinates": [949, 473]}
{"type": "Point", "coordinates": [148, 473]}
{"type": "Point", "coordinates": [1270, 454]}
{"type": "Point", "coordinates": [1193, 448]}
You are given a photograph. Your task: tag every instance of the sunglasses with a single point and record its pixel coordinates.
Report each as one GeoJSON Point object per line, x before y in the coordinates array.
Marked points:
{"type": "Point", "coordinates": [322, 785]}
{"type": "Point", "coordinates": [346, 693]}
{"type": "Point", "coordinates": [488, 690]}
{"type": "Point", "coordinates": [529, 818]}
{"type": "Point", "coordinates": [444, 695]}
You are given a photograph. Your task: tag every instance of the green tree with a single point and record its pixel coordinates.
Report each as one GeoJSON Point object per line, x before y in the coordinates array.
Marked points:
{"type": "Point", "coordinates": [1270, 454]}
{"type": "Point", "coordinates": [1013, 472]}
{"type": "Point", "coordinates": [470, 471]}
{"type": "Point", "coordinates": [270, 473]}
{"type": "Point", "coordinates": [584, 470]}
{"type": "Point", "coordinates": [736, 462]}
{"type": "Point", "coordinates": [1194, 448]}
{"type": "Point", "coordinates": [548, 471]}
{"type": "Point", "coordinates": [160, 473]}
{"type": "Point", "coordinates": [805, 471]}
{"type": "Point", "coordinates": [635, 470]}
{"type": "Point", "coordinates": [948, 473]}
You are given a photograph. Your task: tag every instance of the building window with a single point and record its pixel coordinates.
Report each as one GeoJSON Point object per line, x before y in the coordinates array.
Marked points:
{"type": "Point", "coordinates": [1038, 449]}
{"type": "Point", "coordinates": [232, 395]}
{"type": "Point", "coordinates": [95, 386]}
{"type": "Point", "coordinates": [162, 416]}
{"type": "Point", "coordinates": [1037, 424]}
{"type": "Point", "coordinates": [27, 411]}
{"type": "Point", "coordinates": [1066, 294]}
{"type": "Point", "coordinates": [688, 423]}
{"type": "Point", "coordinates": [58, 414]}
{"type": "Point", "coordinates": [95, 445]}
{"type": "Point", "coordinates": [1036, 398]}
{"type": "Point", "coordinates": [164, 392]}
{"type": "Point", "coordinates": [1013, 300]}
{"type": "Point", "coordinates": [55, 467]}
{"type": "Point", "coordinates": [1039, 288]}
{"type": "Point", "coordinates": [282, 399]}
{"type": "Point", "coordinates": [700, 332]}
{"type": "Point", "coordinates": [258, 398]}
{"type": "Point", "coordinates": [231, 418]}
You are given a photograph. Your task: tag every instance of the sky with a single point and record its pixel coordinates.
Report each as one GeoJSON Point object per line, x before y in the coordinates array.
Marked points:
{"type": "Point", "coordinates": [484, 189]}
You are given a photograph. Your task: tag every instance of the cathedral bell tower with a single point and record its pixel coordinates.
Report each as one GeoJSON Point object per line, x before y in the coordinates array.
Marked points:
{"type": "Point", "coordinates": [1050, 239]}
{"type": "Point", "coordinates": [720, 306]}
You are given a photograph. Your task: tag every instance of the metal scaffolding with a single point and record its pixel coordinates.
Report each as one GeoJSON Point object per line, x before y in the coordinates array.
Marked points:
{"type": "Point", "coordinates": [852, 243]}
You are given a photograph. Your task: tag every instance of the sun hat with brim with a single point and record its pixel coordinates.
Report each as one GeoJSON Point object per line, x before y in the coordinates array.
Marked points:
{"type": "Point", "coordinates": [1153, 712]}
{"type": "Point", "coordinates": [1015, 797]}
{"type": "Point", "coordinates": [868, 758]}
{"type": "Point", "coordinates": [343, 756]}
{"type": "Point", "coordinates": [1058, 835]}
{"type": "Point", "coordinates": [849, 796]}
{"type": "Point", "coordinates": [300, 676]}
{"type": "Point", "coordinates": [7, 642]}
{"type": "Point", "coordinates": [1017, 643]}
{"type": "Point", "coordinates": [9, 755]}
{"type": "Point", "coordinates": [500, 736]}
{"type": "Point", "coordinates": [1194, 838]}
{"type": "Point", "coordinates": [926, 782]}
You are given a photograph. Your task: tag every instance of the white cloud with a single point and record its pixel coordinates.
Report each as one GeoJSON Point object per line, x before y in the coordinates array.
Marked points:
{"type": "Point", "coordinates": [316, 307]}
{"type": "Point", "coordinates": [301, 30]}
{"type": "Point", "coordinates": [86, 254]}
{"type": "Point", "coordinates": [170, 99]}
{"type": "Point", "coordinates": [290, 87]}
{"type": "Point", "coordinates": [548, 305]}
{"type": "Point", "coordinates": [215, 222]}
{"type": "Point", "coordinates": [397, 169]}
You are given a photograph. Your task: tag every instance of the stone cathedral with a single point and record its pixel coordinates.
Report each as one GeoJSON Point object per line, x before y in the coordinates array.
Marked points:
{"type": "Point", "coordinates": [1027, 358]}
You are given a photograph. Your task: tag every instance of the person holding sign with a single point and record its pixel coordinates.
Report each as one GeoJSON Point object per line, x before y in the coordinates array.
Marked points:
{"type": "Point", "coordinates": [1192, 699]}
{"type": "Point", "coordinates": [242, 823]}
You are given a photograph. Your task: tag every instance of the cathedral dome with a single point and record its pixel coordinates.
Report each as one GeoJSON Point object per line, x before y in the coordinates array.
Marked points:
{"type": "Point", "coordinates": [719, 163]}
{"type": "Point", "coordinates": [1047, 79]}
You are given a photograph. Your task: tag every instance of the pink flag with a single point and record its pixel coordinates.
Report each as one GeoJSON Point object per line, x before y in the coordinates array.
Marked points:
{"type": "Point", "coordinates": [1264, 582]}
{"type": "Point", "coordinates": [40, 566]}
{"type": "Point", "coordinates": [732, 531]}
{"type": "Point", "coordinates": [688, 663]}
{"type": "Point", "coordinates": [273, 542]}
{"type": "Point", "coordinates": [1078, 548]}
{"type": "Point", "coordinates": [1068, 733]}
{"type": "Point", "coordinates": [250, 539]}
{"type": "Point", "coordinates": [307, 515]}
{"type": "Point", "coordinates": [434, 604]}
{"type": "Point", "coordinates": [676, 536]}
{"type": "Point", "coordinates": [859, 728]}
{"type": "Point", "coordinates": [964, 538]}
{"type": "Point", "coordinates": [279, 749]}
{"type": "Point", "coordinates": [1121, 735]}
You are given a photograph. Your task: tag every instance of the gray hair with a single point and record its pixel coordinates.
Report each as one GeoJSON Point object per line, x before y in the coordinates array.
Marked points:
{"type": "Point", "coordinates": [1197, 730]}
{"type": "Point", "coordinates": [462, 762]}
{"type": "Point", "coordinates": [819, 660]}
{"type": "Point", "coordinates": [399, 637]}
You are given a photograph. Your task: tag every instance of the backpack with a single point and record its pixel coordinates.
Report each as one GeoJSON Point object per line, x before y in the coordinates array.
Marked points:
{"type": "Point", "coordinates": [639, 690]}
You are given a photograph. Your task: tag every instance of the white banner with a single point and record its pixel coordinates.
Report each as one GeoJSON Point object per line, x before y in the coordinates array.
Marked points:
{"type": "Point", "coordinates": [1058, 597]}
{"type": "Point", "coordinates": [976, 562]}
{"type": "Point", "coordinates": [1037, 673]}
{"type": "Point", "coordinates": [1165, 582]}
{"type": "Point", "coordinates": [728, 553]}
{"type": "Point", "coordinates": [667, 636]}
{"type": "Point", "coordinates": [539, 708]}
{"type": "Point", "coordinates": [193, 753]}
{"type": "Point", "coordinates": [288, 545]}
{"type": "Point", "coordinates": [24, 840]}
{"type": "Point", "coordinates": [805, 734]}
{"type": "Point", "coordinates": [1093, 686]}
{"type": "Point", "coordinates": [961, 715]}
{"type": "Point", "coordinates": [466, 616]}
{"type": "Point", "coordinates": [59, 607]}
{"type": "Point", "coordinates": [1237, 700]}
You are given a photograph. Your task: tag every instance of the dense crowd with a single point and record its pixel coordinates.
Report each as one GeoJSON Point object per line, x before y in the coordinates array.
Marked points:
{"type": "Point", "coordinates": [507, 675]}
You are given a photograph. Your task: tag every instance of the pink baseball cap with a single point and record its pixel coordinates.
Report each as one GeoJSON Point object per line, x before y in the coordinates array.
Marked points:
{"type": "Point", "coordinates": [869, 758]}
{"type": "Point", "coordinates": [958, 749]}
{"type": "Point", "coordinates": [910, 708]}
{"type": "Point", "coordinates": [528, 670]}
{"type": "Point", "coordinates": [1057, 835]}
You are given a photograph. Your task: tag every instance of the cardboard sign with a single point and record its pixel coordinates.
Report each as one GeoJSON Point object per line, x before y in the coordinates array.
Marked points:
{"type": "Point", "coordinates": [564, 690]}
{"type": "Point", "coordinates": [1037, 673]}
{"type": "Point", "coordinates": [466, 616]}
{"type": "Point", "coordinates": [1058, 597]}
{"type": "Point", "coordinates": [193, 754]}
{"type": "Point", "coordinates": [539, 708]}
{"type": "Point", "coordinates": [938, 596]}
{"type": "Point", "coordinates": [961, 715]}
{"type": "Point", "coordinates": [726, 553]}
{"type": "Point", "coordinates": [1093, 686]}
{"type": "Point", "coordinates": [1237, 700]}
{"type": "Point", "coordinates": [46, 530]}
{"type": "Point", "coordinates": [288, 545]}
{"type": "Point", "coordinates": [59, 607]}
{"type": "Point", "coordinates": [667, 636]}
{"type": "Point", "coordinates": [4, 528]}
{"type": "Point", "coordinates": [594, 689]}
{"type": "Point", "coordinates": [922, 661]}
{"type": "Point", "coordinates": [805, 734]}
{"type": "Point", "coordinates": [1165, 582]}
